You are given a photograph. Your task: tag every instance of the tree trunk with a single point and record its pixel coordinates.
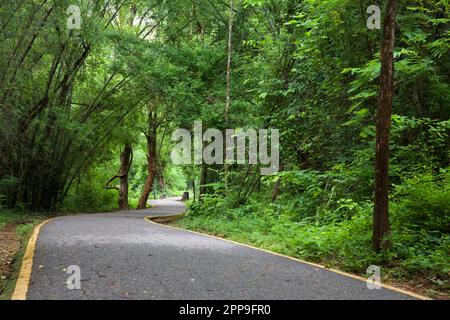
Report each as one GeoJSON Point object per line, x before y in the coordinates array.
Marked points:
{"type": "Point", "coordinates": [203, 179]}
{"type": "Point", "coordinates": [277, 187]}
{"type": "Point", "coordinates": [151, 161]}
{"type": "Point", "coordinates": [193, 190]}
{"type": "Point", "coordinates": [162, 184]}
{"type": "Point", "coordinates": [126, 159]}
{"type": "Point", "coordinates": [228, 99]}
{"type": "Point", "coordinates": [381, 209]}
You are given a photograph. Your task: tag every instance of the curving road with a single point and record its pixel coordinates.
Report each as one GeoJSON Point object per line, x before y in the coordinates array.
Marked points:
{"type": "Point", "coordinates": [122, 256]}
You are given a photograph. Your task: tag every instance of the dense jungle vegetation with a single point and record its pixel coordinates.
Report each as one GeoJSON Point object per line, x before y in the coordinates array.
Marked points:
{"type": "Point", "coordinates": [87, 116]}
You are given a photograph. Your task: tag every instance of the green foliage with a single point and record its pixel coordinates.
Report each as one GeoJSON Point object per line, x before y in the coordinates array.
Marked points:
{"type": "Point", "coordinates": [22, 218]}
{"type": "Point", "coordinates": [424, 203]}
{"type": "Point", "coordinates": [89, 194]}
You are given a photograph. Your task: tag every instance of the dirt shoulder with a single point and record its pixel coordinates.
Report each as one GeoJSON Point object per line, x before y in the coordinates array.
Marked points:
{"type": "Point", "coordinates": [9, 246]}
{"type": "Point", "coordinates": [15, 230]}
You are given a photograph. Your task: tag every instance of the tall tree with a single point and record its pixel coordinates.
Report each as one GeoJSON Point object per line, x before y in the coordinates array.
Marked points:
{"type": "Point", "coordinates": [229, 57]}
{"type": "Point", "coordinates": [151, 136]}
{"type": "Point", "coordinates": [381, 209]}
{"type": "Point", "coordinates": [126, 160]}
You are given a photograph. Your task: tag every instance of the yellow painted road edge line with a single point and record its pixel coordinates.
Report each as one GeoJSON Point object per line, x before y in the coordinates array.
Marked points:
{"type": "Point", "coordinates": [386, 286]}
{"type": "Point", "coordinates": [23, 281]}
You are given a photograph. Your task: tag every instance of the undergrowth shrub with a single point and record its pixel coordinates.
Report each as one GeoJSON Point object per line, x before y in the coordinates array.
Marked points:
{"type": "Point", "coordinates": [89, 194]}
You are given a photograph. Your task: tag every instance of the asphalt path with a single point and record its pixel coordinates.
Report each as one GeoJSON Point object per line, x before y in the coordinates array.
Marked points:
{"type": "Point", "coordinates": [122, 256]}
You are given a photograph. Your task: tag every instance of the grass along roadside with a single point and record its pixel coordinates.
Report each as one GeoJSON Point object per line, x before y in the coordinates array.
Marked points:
{"type": "Point", "coordinates": [15, 228]}
{"type": "Point", "coordinates": [258, 233]}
